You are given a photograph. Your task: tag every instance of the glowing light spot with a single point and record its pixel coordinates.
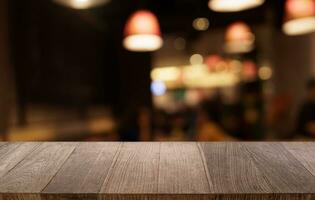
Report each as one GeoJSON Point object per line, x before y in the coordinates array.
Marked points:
{"type": "Point", "coordinates": [233, 5]}
{"type": "Point", "coordinates": [265, 73]}
{"type": "Point", "coordinates": [299, 17]}
{"type": "Point", "coordinates": [201, 24]}
{"type": "Point", "coordinates": [239, 38]}
{"type": "Point", "coordinates": [158, 88]}
{"type": "Point", "coordinates": [143, 42]}
{"type": "Point", "coordinates": [81, 4]}
{"type": "Point", "coordinates": [142, 32]}
{"type": "Point", "coordinates": [299, 26]}
{"type": "Point", "coordinates": [165, 74]}
{"type": "Point", "coordinates": [196, 59]}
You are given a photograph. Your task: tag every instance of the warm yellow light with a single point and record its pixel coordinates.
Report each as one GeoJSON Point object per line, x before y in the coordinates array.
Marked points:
{"type": "Point", "coordinates": [239, 38]}
{"type": "Point", "coordinates": [143, 42]}
{"type": "Point", "coordinates": [265, 73]}
{"type": "Point", "coordinates": [201, 24]}
{"type": "Point", "coordinates": [81, 4]}
{"type": "Point", "coordinates": [299, 17]}
{"type": "Point", "coordinates": [194, 72]}
{"type": "Point", "coordinates": [236, 66]}
{"type": "Point", "coordinates": [142, 32]}
{"type": "Point", "coordinates": [196, 59]}
{"type": "Point", "coordinates": [199, 77]}
{"type": "Point", "coordinates": [214, 80]}
{"type": "Point", "coordinates": [299, 26]}
{"type": "Point", "coordinates": [233, 5]}
{"type": "Point", "coordinates": [165, 74]}
{"type": "Point", "coordinates": [193, 76]}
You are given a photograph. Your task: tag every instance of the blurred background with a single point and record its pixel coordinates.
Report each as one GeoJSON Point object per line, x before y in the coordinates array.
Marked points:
{"type": "Point", "coordinates": [160, 70]}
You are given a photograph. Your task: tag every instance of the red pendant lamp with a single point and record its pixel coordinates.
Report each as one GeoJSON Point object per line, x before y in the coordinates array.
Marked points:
{"type": "Point", "coordinates": [239, 38]}
{"type": "Point", "coordinates": [142, 32]}
{"type": "Point", "coordinates": [82, 4]}
{"type": "Point", "coordinates": [299, 17]}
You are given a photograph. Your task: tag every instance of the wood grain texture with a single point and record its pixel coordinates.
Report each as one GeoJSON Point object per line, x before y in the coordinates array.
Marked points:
{"type": "Point", "coordinates": [3, 143]}
{"type": "Point", "coordinates": [304, 152]}
{"type": "Point", "coordinates": [284, 172]}
{"type": "Point", "coordinates": [157, 171]}
{"type": "Point", "coordinates": [22, 196]}
{"type": "Point", "coordinates": [231, 169]}
{"type": "Point", "coordinates": [33, 173]}
{"type": "Point", "coordinates": [12, 153]}
{"type": "Point", "coordinates": [135, 170]}
{"type": "Point", "coordinates": [181, 169]}
{"type": "Point", "coordinates": [85, 170]}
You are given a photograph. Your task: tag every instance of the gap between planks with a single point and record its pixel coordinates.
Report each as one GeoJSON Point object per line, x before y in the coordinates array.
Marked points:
{"type": "Point", "coordinates": [26, 155]}
{"type": "Point", "coordinates": [75, 147]}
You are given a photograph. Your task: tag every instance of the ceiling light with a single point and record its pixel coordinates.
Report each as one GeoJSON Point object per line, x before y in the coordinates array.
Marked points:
{"type": "Point", "coordinates": [239, 38]}
{"type": "Point", "coordinates": [82, 4]}
{"type": "Point", "coordinates": [299, 17]}
{"type": "Point", "coordinates": [233, 5]}
{"type": "Point", "coordinates": [196, 59]}
{"type": "Point", "coordinates": [142, 32]}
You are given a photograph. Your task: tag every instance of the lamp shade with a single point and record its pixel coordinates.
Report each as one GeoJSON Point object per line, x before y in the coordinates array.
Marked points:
{"type": "Point", "coordinates": [299, 17]}
{"type": "Point", "coordinates": [142, 32]}
{"type": "Point", "coordinates": [233, 5]}
{"type": "Point", "coordinates": [81, 4]}
{"type": "Point", "coordinates": [239, 38]}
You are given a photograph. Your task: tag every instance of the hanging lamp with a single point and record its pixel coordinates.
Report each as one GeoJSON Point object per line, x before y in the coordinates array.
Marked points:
{"type": "Point", "coordinates": [142, 32]}
{"type": "Point", "coordinates": [239, 38]}
{"type": "Point", "coordinates": [82, 4]}
{"type": "Point", "coordinates": [233, 5]}
{"type": "Point", "coordinates": [299, 17]}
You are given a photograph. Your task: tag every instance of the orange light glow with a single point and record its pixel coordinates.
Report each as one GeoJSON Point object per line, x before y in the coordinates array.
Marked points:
{"type": "Point", "coordinates": [212, 61]}
{"type": "Point", "coordinates": [299, 17]}
{"type": "Point", "coordinates": [249, 70]}
{"type": "Point", "coordinates": [142, 32]}
{"type": "Point", "coordinates": [239, 38]}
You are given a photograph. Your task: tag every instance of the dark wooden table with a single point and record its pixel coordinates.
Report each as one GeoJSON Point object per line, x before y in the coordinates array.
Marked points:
{"type": "Point", "coordinates": [153, 170]}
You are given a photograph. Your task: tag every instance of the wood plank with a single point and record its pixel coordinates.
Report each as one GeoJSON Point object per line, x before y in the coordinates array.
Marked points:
{"type": "Point", "coordinates": [181, 169]}
{"type": "Point", "coordinates": [231, 169]}
{"type": "Point", "coordinates": [281, 168]}
{"type": "Point", "coordinates": [12, 153]}
{"type": "Point", "coordinates": [304, 152]}
{"type": "Point", "coordinates": [85, 170]}
{"type": "Point", "coordinates": [36, 170]}
{"type": "Point", "coordinates": [135, 171]}
{"type": "Point", "coordinates": [3, 143]}
{"type": "Point", "coordinates": [159, 171]}
{"type": "Point", "coordinates": [20, 197]}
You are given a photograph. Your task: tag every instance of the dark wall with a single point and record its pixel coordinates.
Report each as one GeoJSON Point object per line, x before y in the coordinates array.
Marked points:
{"type": "Point", "coordinates": [71, 57]}
{"type": "Point", "coordinates": [6, 82]}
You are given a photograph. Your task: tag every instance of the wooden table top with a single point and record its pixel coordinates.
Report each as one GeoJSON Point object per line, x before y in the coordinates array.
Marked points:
{"type": "Point", "coordinates": [157, 170]}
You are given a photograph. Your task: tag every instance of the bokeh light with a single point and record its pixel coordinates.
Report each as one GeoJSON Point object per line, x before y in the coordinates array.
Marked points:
{"type": "Point", "coordinates": [82, 4]}
{"type": "Point", "coordinates": [142, 32]}
{"type": "Point", "coordinates": [201, 24]}
{"type": "Point", "coordinates": [158, 88]}
{"type": "Point", "coordinates": [196, 59]}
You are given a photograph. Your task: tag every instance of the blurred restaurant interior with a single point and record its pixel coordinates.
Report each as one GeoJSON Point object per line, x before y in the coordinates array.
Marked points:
{"type": "Point", "coordinates": [157, 70]}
